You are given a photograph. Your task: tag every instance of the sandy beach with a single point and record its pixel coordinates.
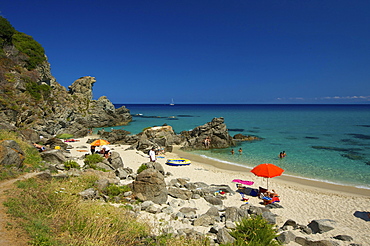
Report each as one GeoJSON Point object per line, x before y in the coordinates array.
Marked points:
{"type": "Point", "coordinates": [302, 200]}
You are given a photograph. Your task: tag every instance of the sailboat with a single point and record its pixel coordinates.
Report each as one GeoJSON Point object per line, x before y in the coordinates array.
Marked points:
{"type": "Point", "coordinates": [172, 102]}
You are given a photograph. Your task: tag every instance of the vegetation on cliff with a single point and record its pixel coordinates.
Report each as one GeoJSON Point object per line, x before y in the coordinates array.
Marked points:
{"type": "Point", "coordinates": [30, 97]}
{"type": "Point", "coordinates": [24, 43]}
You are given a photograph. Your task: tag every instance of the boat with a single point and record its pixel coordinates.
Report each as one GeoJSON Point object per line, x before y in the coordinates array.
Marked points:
{"type": "Point", "coordinates": [172, 103]}
{"type": "Point", "coordinates": [178, 162]}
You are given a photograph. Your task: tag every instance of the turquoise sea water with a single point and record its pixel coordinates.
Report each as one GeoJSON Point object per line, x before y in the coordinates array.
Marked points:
{"type": "Point", "coordinates": [330, 143]}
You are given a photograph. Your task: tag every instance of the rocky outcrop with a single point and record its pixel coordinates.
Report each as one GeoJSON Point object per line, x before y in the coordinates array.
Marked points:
{"type": "Point", "coordinates": [216, 131]}
{"type": "Point", "coordinates": [31, 98]}
{"type": "Point", "coordinates": [241, 137]}
{"type": "Point", "coordinates": [163, 137]}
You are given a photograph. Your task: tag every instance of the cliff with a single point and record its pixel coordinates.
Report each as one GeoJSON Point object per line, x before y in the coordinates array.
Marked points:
{"type": "Point", "coordinates": [31, 98]}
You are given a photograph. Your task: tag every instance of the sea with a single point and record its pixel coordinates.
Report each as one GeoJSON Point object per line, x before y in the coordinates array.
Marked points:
{"type": "Point", "coordinates": [329, 143]}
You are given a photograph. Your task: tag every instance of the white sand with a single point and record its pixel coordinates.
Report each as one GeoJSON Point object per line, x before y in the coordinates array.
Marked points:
{"type": "Point", "coordinates": [303, 200]}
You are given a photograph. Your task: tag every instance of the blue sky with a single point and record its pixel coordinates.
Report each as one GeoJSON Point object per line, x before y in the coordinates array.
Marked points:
{"type": "Point", "coordinates": [205, 51]}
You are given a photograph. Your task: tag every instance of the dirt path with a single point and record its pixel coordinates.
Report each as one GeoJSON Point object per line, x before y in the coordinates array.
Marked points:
{"type": "Point", "coordinates": [10, 235]}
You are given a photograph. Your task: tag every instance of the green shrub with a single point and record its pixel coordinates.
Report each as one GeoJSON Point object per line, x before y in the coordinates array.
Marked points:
{"type": "Point", "coordinates": [115, 190]}
{"type": "Point", "coordinates": [64, 136]}
{"type": "Point", "coordinates": [27, 45]}
{"type": "Point", "coordinates": [6, 31]}
{"type": "Point", "coordinates": [142, 168]}
{"type": "Point", "coordinates": [71, 164]}
{"type": "Point", "coordinates": [255, 231]}
{"type": "Point", "coordinates": [91, 160]}
{"type": "Point", "coordinates": [37, 91]}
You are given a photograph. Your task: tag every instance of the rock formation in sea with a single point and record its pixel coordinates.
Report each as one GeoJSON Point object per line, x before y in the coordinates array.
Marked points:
{"type": "Point", "coordinates": [31, 98]}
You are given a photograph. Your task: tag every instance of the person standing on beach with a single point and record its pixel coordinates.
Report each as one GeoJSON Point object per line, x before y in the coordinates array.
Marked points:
{"type": "Point", "coordinates": [152, 155]}
{"type": "Point", "coordinates": [93, 149]}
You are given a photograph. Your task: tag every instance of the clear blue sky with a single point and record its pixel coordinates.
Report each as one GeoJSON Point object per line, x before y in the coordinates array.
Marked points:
{"type": "Point", "coordinates": [220, 51]}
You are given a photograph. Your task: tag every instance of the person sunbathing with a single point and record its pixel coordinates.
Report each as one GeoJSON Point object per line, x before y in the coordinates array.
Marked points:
{"type": "Point", "coordinates": [271, 194]}
{"type": "Point", "coordinates": [39, 147]}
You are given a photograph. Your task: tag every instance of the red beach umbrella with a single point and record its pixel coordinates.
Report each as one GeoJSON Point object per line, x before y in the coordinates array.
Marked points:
{"type": "Point", "coordinates": [267, 170]}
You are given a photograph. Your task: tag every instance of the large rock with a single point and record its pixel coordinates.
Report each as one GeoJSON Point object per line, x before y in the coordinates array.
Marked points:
{"type": "Point", "coordinates": [115, 160]}
{"type": "Point", "coordinates": [150, 185]}
{"type": "Point", "coordinates": [224, 237]}
{"type": "Point", "coordinates": [216, 130]}
{"type": "Point", "coordinates": [179, 193]}
{"type": "Point", "coordinates": [11, 153]}
{"type": "Point", "coordinates": [308, 242]}
{"type": "Point", "coordinates": [204, 220]}
{"type": "Point", "coordinates": [158, 137]}
{"type": "Point", "coordinates": [235, 214]}
{"type": "Point", "coordinates": [53, 156]}
{"type": "Point", "coordinates": [321, 226]}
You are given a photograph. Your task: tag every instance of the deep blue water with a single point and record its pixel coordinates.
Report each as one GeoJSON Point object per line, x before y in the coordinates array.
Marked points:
{"type": "Point", "coordinates": [324, 142]}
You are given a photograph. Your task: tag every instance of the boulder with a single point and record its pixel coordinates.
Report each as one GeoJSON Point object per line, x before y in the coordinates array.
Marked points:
{"type": "Point", "coordinates": [53, 142]}
{"type": "Point", "coordinates": [269, 217]}
{"type": "Point", "coordinates": [204, 220]}
{"type": "Point", "coordinates": [344, 238]}
{"type": "Point", "coordinates": [286, 237]}
{"type": "Point", "coordinates": [213, 211]}
{"type": "Point", "coordinates": [179, 183]}
{"type": "Point", "coordinates": [213, 200]}
{"type": "Point", "coordinates": [235, 214]}
{"type": "Point", "coordinates": [89, 194]}
{"type": "Point", "coordinates": [321, 226]}
{"type": "Point", "coordinates": [54, 156]}
{"type": "Point", "coordinates": [11, 154]}
{"type": "Point", "coordinates": [150, 185]}
{"type": "Point", "coordinates": [188, 212]}
{"type": "Point", "coordinates": [179, 193]}
{"type": "Point", "coordinates": [308, 242]}
{"type": "Point", "coordinates": [115, 160]}
{"type": "Point", "coordinates": [224, 237]}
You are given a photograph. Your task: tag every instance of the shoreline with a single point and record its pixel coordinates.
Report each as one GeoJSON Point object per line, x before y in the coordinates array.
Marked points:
{"type": "Point", "coordinates": [325, 187]}
{"type": "Point", "coordinates": [301, 201]}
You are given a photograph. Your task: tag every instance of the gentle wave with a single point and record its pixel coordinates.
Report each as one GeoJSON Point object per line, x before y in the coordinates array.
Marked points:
{"type": "Point", "coordinates": [293, 176]}
{"type": "Point", "coordinates": [328, 143]}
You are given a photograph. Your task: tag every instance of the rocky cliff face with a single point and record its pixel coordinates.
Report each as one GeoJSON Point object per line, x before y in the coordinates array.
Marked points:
{"type": "Point", "coordinates": [31, 98]}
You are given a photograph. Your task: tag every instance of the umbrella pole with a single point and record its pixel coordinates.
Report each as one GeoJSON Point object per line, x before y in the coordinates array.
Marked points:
{"type": "Point", "coordinates": [267, 183]}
